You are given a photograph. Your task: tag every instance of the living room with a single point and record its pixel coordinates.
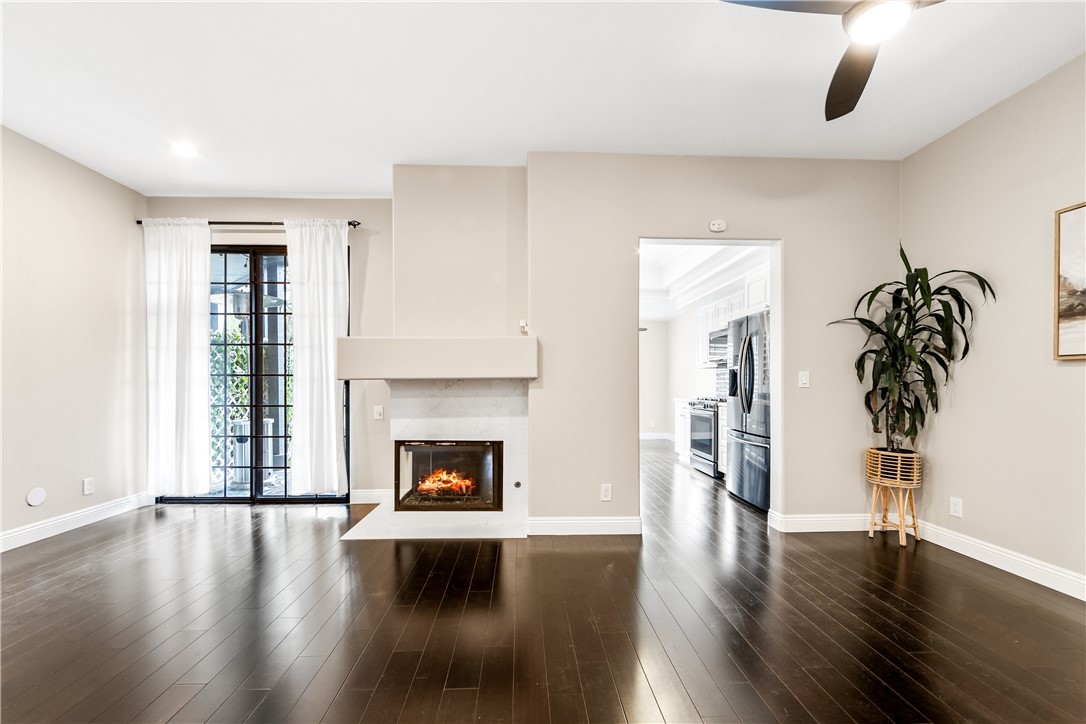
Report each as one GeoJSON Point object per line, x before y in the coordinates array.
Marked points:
{"type": "Point", "coordinates": [545, 245]}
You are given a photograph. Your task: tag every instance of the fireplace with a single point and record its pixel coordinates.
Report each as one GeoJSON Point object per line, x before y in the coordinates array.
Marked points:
{"type": "Point", "coordinates": [448, 475]}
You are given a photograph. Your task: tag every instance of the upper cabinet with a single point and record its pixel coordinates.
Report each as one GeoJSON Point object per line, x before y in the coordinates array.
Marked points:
{"type": "Point", "coordinates": [757, 290]}
{"type": "Point", "coordinates": [702, 328]}
{"type": "Point", "coordinates": [730, 308]}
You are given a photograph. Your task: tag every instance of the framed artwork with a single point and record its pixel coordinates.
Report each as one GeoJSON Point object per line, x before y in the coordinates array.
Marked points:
{"type": "Point", "coordinates": [1069, 336]}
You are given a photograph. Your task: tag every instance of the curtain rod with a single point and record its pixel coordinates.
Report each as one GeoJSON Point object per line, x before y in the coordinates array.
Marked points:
{"type": "Point", "coordinates": [352, 223]}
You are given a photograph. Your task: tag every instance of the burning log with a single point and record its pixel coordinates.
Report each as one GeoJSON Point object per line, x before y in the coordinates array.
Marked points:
{"type": "Point", "coordinates": [441, 481]}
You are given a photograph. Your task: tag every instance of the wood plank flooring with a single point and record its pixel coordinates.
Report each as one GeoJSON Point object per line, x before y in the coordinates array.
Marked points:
{"type": "Point", "coordinates": [235, 614]}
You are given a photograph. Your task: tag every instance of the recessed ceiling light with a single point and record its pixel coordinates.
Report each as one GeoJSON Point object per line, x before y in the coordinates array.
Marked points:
{"type": "Point", "coordinates": [872, 22]}
{"type": "Point", "coordinates": [184, 149]}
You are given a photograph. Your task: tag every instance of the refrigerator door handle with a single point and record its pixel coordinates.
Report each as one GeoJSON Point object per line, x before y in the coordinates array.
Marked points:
{"type": "Point", "coordinates": [747, 395]}
{"type": "Point", "coordinates": [747, 442]}
{"type": "Point", "coordinates": [742, 375]}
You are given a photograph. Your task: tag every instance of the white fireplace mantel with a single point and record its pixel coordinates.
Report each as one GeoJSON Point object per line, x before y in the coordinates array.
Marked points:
{"type": "Point", "coordinates": [437, 358]}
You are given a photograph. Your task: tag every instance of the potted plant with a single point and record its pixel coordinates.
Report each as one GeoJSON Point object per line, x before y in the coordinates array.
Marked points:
{"type": "Point", "coordinates": [916, 329]}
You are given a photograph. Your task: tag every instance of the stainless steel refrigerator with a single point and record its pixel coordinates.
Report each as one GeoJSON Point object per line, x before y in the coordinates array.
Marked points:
{"type": "Point", "coordinates": [748, 411]}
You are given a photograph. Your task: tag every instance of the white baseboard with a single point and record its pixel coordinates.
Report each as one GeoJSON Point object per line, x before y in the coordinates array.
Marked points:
{"type": "Point", "coordinates": [657, 436]}
{"type": "Point", "coordinates": [50, 527]}
{"type": "Point", "coordinates": [1032, 569]}
{"type": "Point", "coordinates": [817, 523]}
{"type": "Point", "coordinates": [371, 495]}
{"type": "Point", "coordinates": [586, 525]}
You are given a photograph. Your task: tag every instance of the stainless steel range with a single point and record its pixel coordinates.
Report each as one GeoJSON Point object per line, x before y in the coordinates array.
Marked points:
{"type": "Point", "coordinates": [705, 434]}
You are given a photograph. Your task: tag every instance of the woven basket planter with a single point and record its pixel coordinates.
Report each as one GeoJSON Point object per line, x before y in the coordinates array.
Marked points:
{"type": "Point", "coordinates": [900, 469]}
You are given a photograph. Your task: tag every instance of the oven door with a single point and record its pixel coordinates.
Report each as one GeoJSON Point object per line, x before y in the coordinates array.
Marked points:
{"type": "Point", "coordinates": [703, 434]}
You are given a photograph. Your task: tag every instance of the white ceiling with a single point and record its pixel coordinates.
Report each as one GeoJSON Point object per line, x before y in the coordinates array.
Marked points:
{"type": "Point", "coordinates": [321, 99]}
{"type": "Point", "coordinates": [662, 264]}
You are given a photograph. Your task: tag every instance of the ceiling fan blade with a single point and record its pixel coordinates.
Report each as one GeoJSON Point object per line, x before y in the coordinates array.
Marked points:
{"type": "Point", "coordinates": [824, 7]}
{"type": "Point", "coordinates": [850, 79]}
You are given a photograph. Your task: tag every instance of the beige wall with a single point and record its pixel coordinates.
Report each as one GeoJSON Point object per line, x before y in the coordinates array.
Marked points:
{"type": "Point", "coordinates": [371, 294]}
{"type": "Point", "coordinates": [1009, 439]}
{"type": "Point", "coordinates": [685, 379]}
{"type": "Point", "coordinates": [74, 330]}
{"type": "Point", "coordinates": [654, 405]}
{"type": "Point", "coordinates": [461, 251]}
{"type": "Point", "coordinates": [838, 226]}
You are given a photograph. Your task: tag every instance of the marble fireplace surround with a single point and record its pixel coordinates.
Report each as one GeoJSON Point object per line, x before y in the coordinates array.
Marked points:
{"type": "Point", "coordinates": [458, 409]}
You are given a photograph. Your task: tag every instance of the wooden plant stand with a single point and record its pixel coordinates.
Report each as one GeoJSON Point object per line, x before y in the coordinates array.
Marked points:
{"type": "Point", "coordinates": [894, 476]}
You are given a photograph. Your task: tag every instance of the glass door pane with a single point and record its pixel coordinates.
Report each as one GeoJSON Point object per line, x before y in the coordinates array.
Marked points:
{"type": "Point", "coordinates": [231, 338]}
{"type": "Point", "coordinates": [276, 376]}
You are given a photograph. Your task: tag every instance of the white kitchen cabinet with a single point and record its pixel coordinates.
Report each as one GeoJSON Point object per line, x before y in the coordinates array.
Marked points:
{"type": "Point", "coordinates": [736, 304]}
{"type": "Point", "coordinates": [701, 336]}
{"type": "Point", "coordinates": [682, 429]}
{"type": "Point", "coordinates": [757, 290]}
{"type": "Point", "coordinates": [728, 309]}
{"type": "Point", "coordinates": [720, 315]}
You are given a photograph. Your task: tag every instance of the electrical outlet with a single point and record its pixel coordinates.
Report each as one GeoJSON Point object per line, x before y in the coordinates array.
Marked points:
{"type": "Point", "coordinates": [88, 486]}
{"type": "Point", "coordinates": [378, 412]}
{"type": "Point", "coordinates": [804, 378]}
{"type": "Point", "coordinates": [956, 507]}
{"type": "Point", "coordinates": [605, 492]}
{"type": "Point", "coordinates": [652, 424]}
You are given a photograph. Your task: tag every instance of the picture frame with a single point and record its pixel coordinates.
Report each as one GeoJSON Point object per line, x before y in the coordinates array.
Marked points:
{"type": "Point", "coordinates": [1069, 314]}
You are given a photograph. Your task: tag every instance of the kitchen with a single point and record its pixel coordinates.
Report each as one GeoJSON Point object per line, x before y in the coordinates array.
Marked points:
{"type": "Point", "coordinates": [704, 359]}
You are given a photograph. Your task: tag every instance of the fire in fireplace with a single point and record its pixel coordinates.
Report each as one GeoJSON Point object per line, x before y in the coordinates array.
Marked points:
{"type": "Point", "coordinates": [442, 482]}
{"type": "Point", "coordinates": [448, 475]}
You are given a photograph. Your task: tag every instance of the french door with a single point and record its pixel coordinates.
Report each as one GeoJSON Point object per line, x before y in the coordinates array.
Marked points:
{"type": "Point", "coordinates": [252, 366]}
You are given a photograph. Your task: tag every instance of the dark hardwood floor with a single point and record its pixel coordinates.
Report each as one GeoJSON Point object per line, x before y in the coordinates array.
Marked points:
{"type": "Point", "coordinates": [231, 614]}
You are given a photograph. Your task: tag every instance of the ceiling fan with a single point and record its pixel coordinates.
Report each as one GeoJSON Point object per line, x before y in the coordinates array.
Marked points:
{"type": "Point", "coordinates": [867, 23]}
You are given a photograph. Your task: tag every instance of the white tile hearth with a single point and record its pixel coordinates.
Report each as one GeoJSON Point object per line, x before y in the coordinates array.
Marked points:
{"type": "Point", "coordinates": [481, 410]}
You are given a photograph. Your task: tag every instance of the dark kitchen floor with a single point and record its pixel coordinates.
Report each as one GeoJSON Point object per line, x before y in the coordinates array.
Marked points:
{"type": "Point", "coordinates": [235, 613]}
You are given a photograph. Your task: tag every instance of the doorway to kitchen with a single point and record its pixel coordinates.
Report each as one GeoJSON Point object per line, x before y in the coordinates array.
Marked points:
{"type": "Point", "coordinates": [705, 377]}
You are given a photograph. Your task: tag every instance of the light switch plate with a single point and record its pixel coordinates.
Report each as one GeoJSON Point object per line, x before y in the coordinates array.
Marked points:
{"type": "Point", "coordinates": [378, 412]}
{"type": "Point", "coordinates": [804, 378]}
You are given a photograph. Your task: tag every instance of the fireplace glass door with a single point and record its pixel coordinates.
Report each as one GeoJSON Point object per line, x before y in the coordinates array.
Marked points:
{"type": "Point", "coordinates": [448, 475]}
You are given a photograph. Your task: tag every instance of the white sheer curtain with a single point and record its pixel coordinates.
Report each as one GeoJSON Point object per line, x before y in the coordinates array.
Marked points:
{"type": "Point", "coordinates": [317, 263]}
{"type": "Point", "coordinates": [178, 258]}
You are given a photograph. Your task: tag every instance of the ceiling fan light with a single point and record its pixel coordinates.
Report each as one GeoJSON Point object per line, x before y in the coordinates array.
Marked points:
{"type": "Point", "coordinates": [870, 23]}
